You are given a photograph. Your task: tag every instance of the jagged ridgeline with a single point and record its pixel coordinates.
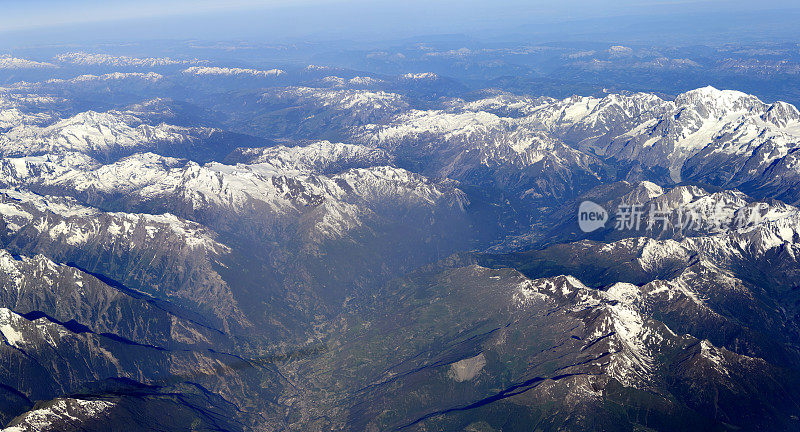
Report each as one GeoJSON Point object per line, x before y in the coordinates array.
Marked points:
{"type": "Point", "coordinates": [196, 245]}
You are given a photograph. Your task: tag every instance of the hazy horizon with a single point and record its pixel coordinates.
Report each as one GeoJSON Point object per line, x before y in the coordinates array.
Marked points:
{"type": "Point", "coordinates": [46, 22]}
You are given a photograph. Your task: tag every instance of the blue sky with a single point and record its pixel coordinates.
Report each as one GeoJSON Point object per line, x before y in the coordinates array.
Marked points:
{"type": "Point", "coordinates": [49, 13]}
{"type": "Point", "coordinates": [43, 20]}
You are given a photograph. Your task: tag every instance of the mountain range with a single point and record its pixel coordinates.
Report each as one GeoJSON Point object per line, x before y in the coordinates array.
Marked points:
{"type": "Point", "coordinates": [187, 245]}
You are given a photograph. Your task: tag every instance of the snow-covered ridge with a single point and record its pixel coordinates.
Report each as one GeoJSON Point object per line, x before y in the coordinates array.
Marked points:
{"type": "Point", "coordinates": [78, 224]}
{"type": "Point", "coordinates": [9, 62]}
{"type": "Point", "coordinates": [415, 123]}
{"type": "Point", "coordinates": [19, 108]}
{"type": "Point", "coordinates": [364, 80]}
{"type": "Point", "coordinates": [460, 142]}
{"type": "Point", "coordinates": [723, 137]}
{"type": "Point", "coordinates": [9, 327]}
{"type": "Point", "coordinates": [33, 89]}
{"type": "Point", "coordinates": [285, 185]}
{"type": "Point", "coordinates": [633, 337]}
{"type": "Point", "coordinates": [11, 98]}
{"type": "Point", "coordinates": [421, 76]}
{"type": "Point", "coordinates": [88, 59]}
{"type": "Point", "coordinates": [698, 132]}
{"type": "Point", "coordinates": [94, 133]}
{"type": "Point", "coordinates": [114, 76]}
{"type": "Point", "coordinates": [225, 71]}
{"type": "Point", "coordinates": [13, 117]}
{"type": "Point", "coordinates": [319, 157]}
{"type": "Point", "coordinates": [358, 81]}
{"type": "Point", "coordinates": [721, 128]}
{"type": "Point", "coordinates": [620, 317]}
{"type": "Point", "coordinates": [60, 412]}
{"type": "Point", "coordinates": [354, 101]}
{"type": "Point", "coordinates": [68, 231]}
{"type": "Point", "coordinates": [503, 104]}
{"type": "Point", "coordinates": [20, 332]}
{"type": "Point", "coordinates": [503, 125]}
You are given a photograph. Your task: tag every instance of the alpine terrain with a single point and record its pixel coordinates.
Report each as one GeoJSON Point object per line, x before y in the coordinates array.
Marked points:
{"type": "Point", "coordinates": [194, 241]}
